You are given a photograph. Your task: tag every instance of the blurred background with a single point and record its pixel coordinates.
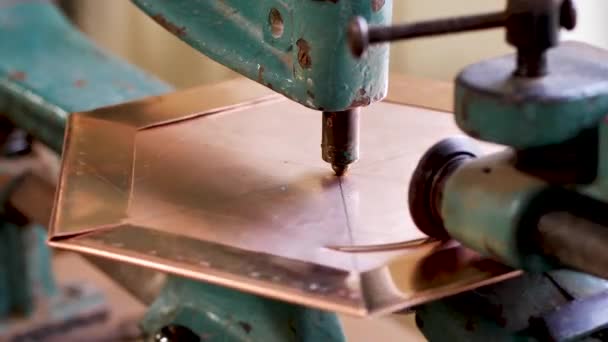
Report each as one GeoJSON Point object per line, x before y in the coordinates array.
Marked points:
{"type": "Point", "coordinates": [121, 28]}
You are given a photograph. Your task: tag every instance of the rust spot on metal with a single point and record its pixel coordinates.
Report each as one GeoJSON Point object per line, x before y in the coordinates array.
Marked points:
{"type": "Point", "coordinates": [17, 76]}
{"type": "Point", "coordinates": [261, 74]}
{"type": "Point", "coordinates": [169, 26]}
{"type": "Point", "coordinates": [361, 100]}
{"type": "Point", "coordinates": [304, 53]}
{"type": "Point", "coordinates": [246, 326]}
{"type": "Point", "coordinates": [275, 20]}
{"type": "Point", "coordinates": [377, 5]}
{"type": "Point", "coordinates": [80, 83]}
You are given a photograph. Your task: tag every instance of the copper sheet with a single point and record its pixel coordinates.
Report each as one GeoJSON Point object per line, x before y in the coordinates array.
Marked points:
{"type": "Point", "coordinates": [233, 191]}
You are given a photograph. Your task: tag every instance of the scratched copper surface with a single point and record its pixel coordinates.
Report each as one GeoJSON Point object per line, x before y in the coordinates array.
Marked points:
{"type": "Point", "coordinates": [240, 197]}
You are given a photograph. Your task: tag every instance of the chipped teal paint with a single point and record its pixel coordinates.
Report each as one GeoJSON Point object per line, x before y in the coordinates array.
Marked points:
{"type": "Point", "coordinates": [524, 125]}
{"type": "Point", "coordinates": [48, 70]}
{"type": "Point", "coordinates": [484, 211]}
{"type": "Point", "coordinates": [215, 316]}
{"type": "Point", "coordinates": [309, 63]}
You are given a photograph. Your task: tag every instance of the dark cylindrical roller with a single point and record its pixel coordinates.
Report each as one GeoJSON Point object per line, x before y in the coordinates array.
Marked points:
{"type": "Point", "coordinates": [340, 145]}
{"type": "Point", "coordinates": [575, 241]}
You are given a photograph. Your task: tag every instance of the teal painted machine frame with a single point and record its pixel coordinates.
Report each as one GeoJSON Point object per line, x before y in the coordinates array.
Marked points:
{"type": "Point", "coordinates": [486, 200]}
{"type": "Point", "coordinates": [49, 70]}
{"type": "Point", "coordinates": [492, 204]}
{"type": "Point", "coordinates": [297, 48]}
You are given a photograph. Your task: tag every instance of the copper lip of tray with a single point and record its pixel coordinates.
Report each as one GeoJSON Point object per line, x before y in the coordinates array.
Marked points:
{"type": "Point", "coordinates": [226, 185]}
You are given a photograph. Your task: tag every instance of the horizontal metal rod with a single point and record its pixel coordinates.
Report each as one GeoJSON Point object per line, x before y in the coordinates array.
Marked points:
{"type": "Point", "coordinates": [379, 34]}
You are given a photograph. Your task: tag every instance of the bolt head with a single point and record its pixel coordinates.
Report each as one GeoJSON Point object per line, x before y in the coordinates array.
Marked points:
{"type": "Point", "coordinates": [358, 36]}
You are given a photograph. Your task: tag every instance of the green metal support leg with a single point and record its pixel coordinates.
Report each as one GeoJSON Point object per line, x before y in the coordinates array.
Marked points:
{"type": "Point", "coordinates": [217, 314]}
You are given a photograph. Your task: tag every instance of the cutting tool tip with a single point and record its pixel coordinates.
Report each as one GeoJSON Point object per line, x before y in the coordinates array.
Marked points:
{"type": "Point", "coordinates": [340, 170]}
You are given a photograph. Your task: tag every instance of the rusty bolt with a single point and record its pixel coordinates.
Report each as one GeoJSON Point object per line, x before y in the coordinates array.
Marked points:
{"type": "Point", "coordinates": [304, 54]}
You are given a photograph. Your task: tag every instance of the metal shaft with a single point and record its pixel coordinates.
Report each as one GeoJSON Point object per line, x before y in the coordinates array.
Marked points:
{"type": "Point", "coordinates": [436, 27]}
{"type": "Point", "coordinates": [575, 241]}
{"type": "Point", "coordinates": [340, 134]}
{"type": "Point", "coordinates": [361, 35]}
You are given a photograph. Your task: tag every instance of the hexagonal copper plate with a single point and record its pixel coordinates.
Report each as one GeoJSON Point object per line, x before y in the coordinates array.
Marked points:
{"type": "Point", "coordinates": [226, 185]}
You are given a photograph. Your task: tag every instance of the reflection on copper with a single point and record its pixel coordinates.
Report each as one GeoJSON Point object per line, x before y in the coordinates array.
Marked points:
{"type": "Point", "coordinates": [452, 263]}
{"type": "Point", "coordinates": [226, 185]}
{"type": "Point", "coordinates": [385, 247]}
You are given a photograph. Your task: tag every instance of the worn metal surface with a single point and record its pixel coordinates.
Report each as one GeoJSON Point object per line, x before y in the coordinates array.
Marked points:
{"type": "Point", "coordinates": [577, 319]}
{"type": "Point", "coordinates": [577, 284]}
{"type": "Point", "coordinates": [501, 312]}
{"type": "Point", "coordinates": [340, 139]}
{"type": "Point", "coordinates": [48, 69]}
{"type": "Point", "coordinates": [533, 307]}
{"type": "Point", "coordinates": [297, 48]}
{"type": "Point", "coordinates": [577, 240]}
{"type": "Point", "coordinates": [211, 315]}
{"type": "Point", "coordinates": [520, 112]}
{"type": "Point", "coordinates": [535, 233]}
{"type": "Point", "coordinates": [250, 214]}
{"type": "Point", "coordinates": [483, 206]}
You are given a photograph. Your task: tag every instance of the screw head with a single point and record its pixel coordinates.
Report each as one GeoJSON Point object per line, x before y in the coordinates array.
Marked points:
{"type": "Point", "coordinates": [358, 36]}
